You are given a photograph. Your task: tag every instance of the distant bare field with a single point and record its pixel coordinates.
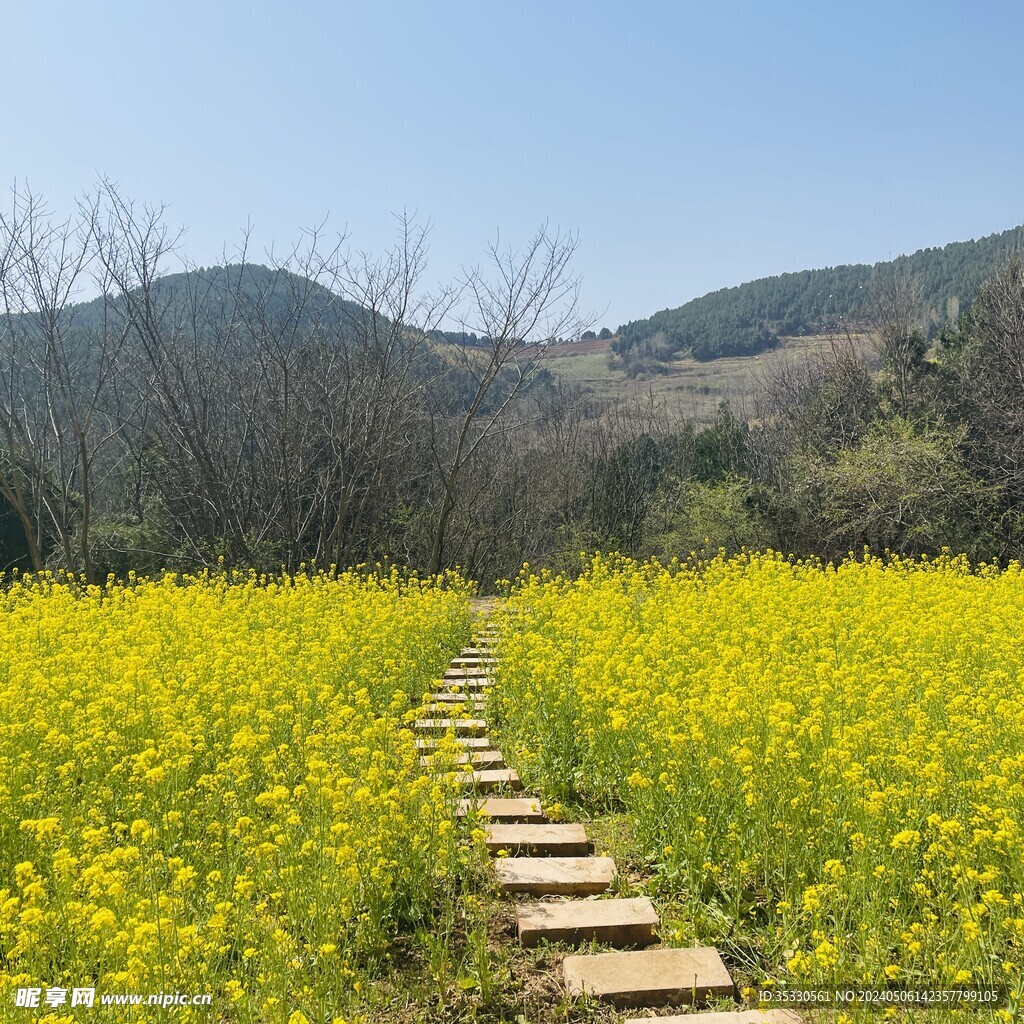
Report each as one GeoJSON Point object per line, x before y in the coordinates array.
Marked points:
{"type": "Point", "coordinates": [694, 388]}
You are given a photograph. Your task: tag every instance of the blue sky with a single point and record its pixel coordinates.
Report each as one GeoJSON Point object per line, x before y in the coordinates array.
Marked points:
{"type": "Point", "coordinates": [691, 146]}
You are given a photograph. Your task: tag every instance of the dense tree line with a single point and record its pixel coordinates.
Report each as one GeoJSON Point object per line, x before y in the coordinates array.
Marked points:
{"type": "Point", "coordinates": [323, 410]}
{"type": "Point", "coordinates": [751, 317]}
{"type": "Point", "coordinates": [268, 416]}
{"type": "Point", "coordinates": [880, 448]}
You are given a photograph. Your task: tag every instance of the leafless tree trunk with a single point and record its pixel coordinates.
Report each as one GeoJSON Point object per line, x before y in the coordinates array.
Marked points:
{"type": "Point", "coordinates": [531, 299]}
{"type": "Point", "coordinates": [59, 375]}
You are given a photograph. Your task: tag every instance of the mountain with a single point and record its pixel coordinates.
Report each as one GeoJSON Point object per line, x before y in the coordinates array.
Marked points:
{"type": "Point", "coordinates": [270, 294]}
{"type": "Point", "coordinates": [751, 317]}
{"type": "Point", "coordinates": [277, 298]}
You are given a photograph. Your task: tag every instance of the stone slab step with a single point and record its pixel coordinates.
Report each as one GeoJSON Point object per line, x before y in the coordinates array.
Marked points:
{"type": "Point", "coordinates": [463, 707]}
{"type": "Point", "coordinates": [488, 779]}
{"type": "Point", "coordinates": [629, 922]}
{"type": "Point", "coordinates": [650, 977]}
{"type": "Point", "coordinates": [472, 662]}
{"type": "Point", "coordinates": [461, 726]}
{"type": "Point", "coordinates": [555, 876]}
{"type": "Point", "coordinates": [472, 685]}
{"type": "Point", "coordinates": [523, 809]}
{"type": "Point", "coordinates": [454, 697]}
{"type": "Point", "coordinates": [465, 742]}
{"type": "Point", "coordinates": [478, 759]}
{"type": "Point", "coordinates": [563, 840]}
{"type": "Point", "coordinates": [466, 673]}
{"type": "Point", "coordinates": [726, 1017]}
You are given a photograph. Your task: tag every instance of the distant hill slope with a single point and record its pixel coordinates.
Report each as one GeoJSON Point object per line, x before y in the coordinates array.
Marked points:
{"type": "Point", "coordinates": [249, 303]}
{"type": "Point", "coordinates": [277, 297]}
{"type": "Point", "coordinates": [750, 318]}
{"type": "Point", "coordinates": [270, 293]}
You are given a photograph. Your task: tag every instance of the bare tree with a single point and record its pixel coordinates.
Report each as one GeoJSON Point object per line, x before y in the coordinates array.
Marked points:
{"type": "Point", "coordinates": [18, 469]}
{"type": "Point", "coordinates": [285, 400]}
{"type": "Point", "coordinates": [371, 410]}
{"type": "Point", "coordinates": [522, 301]}
{"type": "Point", "coordinates": [312, 409]}
{"type": "Point", "coordinates": [60, 372]}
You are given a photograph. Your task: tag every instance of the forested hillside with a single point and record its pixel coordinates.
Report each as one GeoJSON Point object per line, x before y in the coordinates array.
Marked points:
{"type": "Point", "coordinates": [276, 296]}
{"type": "Point", "coordinates": [323, 412]}
{"type": "Point", "coordinates": [316, 410]}
{"type": "Point", "coordinates": [176, 298]}
{"type": "Point", "coordinates": [750, 318]}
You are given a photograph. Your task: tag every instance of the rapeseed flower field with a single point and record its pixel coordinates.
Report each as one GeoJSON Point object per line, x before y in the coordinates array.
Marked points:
{"type": "Point", "coordinates": [822, 767]}
{"type": "Point", "coordinates": [205, 787]}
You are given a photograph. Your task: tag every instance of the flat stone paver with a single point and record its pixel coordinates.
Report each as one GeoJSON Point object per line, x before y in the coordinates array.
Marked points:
{"type": "Point", "coordinates": [463, 708]}
{"type": "Point", "coordinates": [466, 742]}
{"type": "Point", "coordinates": [473, 685]}
{"type": "Point", "coordinates": [479, 759]}
{"type": "Point", "coordinates": [462, 726]}
{"type": "Point", "coordinates": [556, 840]}
{"type": "Point", "coordinates": [650, 977]}
{"type": "Point", "coordinates": [555, 876]}
{"type": "Point", "coordinates": [454, 697]}
{"type": "Point", "coordinates": [629, 922]}
{"type": "Point", "coordinates": [466, 673]}
{"type": "Point", "coordinates": [726, 1017]}
{"type": "Point", "coordinates": [488, 779]}
{"type": "Point", "coordinates": [524, 809]}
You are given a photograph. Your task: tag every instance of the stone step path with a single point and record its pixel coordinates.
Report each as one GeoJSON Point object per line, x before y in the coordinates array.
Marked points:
{"type": "Point", "coordinates": [726, 1017]}
{"type": "Point", "coordinates": [465, 742]}
{"type": "Point", "coordinates": [487, 780]}
{"type": "Point", "coordinates": [455, 697]}
{"type": "Point", "coordinates": [551, 861]}
{"type": "Point", "coordinates": [614, 922]}
{"type": "Point", "coordinates": [478, 759]}
{"type": "Point", "coordinates": [555, 876]}
{"type": "Point", "coordinates": [650, 977]}
{"type": "Point", "coordinates": [474, 686]}
{"type": "Point", "coordinates": [568, 840]}
{"type": "Point", "coordinates": [462, 708]}
{"type": "Point", "coordinates": [469, 674]}
{"type": "Point", "coordinates": [460, 726]}
{"type": "Point", "coordinates": [524, 809]}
